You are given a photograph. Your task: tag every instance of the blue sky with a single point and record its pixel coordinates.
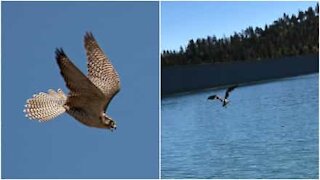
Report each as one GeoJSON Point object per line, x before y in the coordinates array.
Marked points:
{"type": "Point", "coordinates": [64, 148]}
{"type": "Point", "coordinates": [182, 21]}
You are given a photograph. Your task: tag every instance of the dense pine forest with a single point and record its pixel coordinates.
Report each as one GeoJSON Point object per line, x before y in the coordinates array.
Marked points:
{"type": "Point", "coordinates": [287, 36]}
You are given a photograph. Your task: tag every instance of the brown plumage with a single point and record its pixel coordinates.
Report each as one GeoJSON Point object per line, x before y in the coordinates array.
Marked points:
{"type": "Point", "coordinates": [88, 98]}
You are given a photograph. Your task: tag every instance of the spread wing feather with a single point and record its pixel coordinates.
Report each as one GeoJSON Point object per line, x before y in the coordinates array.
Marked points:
{"type": "Point", "coordinates": [83, 93]}
{"type": "Point", "coordinates": [100, 70]}
{"type": "Point", "coordinates": [213, 97]}
{"type": "Point", "coordinates": [229, 90]}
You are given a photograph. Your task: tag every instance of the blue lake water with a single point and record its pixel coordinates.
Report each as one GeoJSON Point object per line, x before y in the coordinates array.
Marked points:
{"type": "Point", "coordinates": [268, 130]}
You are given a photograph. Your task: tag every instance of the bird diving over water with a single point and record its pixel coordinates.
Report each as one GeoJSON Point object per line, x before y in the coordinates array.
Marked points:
{"type": "Point", "coordinates": [89, 96]}
{"type": "Point", "coordinates": [224, 100]}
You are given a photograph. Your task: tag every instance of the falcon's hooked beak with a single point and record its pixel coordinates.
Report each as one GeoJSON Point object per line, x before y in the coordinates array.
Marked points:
{"type": "Point", "coordinates": [113, 126]}
{"type": "Point", "coordinates": [108, 122]}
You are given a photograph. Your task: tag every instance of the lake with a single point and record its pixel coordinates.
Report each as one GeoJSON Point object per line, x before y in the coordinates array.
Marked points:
{"type": "Point", "coordinates": [268, 130]}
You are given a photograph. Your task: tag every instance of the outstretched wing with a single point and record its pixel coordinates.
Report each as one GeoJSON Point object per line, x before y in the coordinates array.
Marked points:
{"type": "Point", "coordinates": [215, 97]}
{"type": "Point", "coordinates": [83, 93]}
{"type": "Point", "coordinates": [100, 70]}
{"type": "Point", "coordinates": [229, 90]}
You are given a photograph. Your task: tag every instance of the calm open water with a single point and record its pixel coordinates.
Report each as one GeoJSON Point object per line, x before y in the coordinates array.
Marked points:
{"type": "Point", "coordinates": [268, 130]}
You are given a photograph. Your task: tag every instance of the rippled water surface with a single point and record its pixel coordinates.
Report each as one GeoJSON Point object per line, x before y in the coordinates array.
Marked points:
{"type": "Point", "coordinates": [268, 130]}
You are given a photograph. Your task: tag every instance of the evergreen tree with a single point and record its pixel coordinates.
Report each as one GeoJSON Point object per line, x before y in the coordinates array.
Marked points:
{"type": "Point", "coordinates": [286, 36]}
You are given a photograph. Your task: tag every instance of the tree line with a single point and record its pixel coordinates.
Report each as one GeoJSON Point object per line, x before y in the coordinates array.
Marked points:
{"type": "Point", "coordinates": [287, 36]}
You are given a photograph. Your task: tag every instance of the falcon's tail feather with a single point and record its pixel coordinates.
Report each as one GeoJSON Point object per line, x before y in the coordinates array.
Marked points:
{"type": "Point", "coordinates": [45, 106]}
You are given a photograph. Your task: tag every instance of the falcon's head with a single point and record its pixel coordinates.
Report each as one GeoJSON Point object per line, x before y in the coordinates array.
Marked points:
{"type": "Point", "coordinates": [108, 122]}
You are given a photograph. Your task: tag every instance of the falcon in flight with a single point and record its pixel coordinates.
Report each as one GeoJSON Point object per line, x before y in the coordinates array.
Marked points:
{"type": "Point", "coordinates": [224, 100]}
{"type": "Point", "coordinates": [89, 96]}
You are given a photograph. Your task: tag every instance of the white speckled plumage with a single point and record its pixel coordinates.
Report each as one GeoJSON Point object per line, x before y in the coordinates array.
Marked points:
{"type": "Point", "coordinates": [44, 107]}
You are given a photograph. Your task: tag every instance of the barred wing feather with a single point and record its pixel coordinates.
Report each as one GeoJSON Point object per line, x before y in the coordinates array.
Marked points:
{"type": "Point", "coordinates": [100, 70]}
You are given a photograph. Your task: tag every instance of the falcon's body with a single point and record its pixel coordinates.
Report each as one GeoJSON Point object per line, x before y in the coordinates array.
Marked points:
{"type": "Point", "coordinates": [224, 100]}
{"type": "Point", "coordinates": [88, 98]}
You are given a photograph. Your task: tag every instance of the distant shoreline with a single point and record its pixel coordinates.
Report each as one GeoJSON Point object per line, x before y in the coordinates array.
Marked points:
{"type": "Point", "coordinates": [178, 79]}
